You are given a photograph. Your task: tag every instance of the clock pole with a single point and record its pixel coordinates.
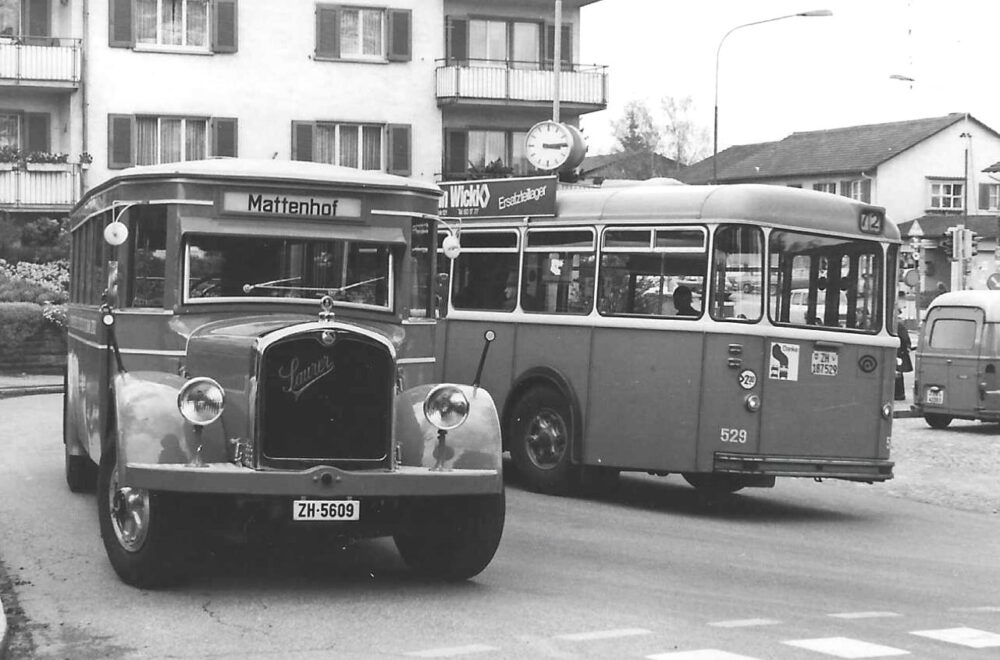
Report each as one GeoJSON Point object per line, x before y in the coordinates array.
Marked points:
{"type": "Point", "coordinates": [556, 61]}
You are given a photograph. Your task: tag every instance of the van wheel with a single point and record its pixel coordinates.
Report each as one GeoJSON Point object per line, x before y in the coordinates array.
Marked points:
{"type": "Point", "coordinates": [139, 528]}
{"type": "Point", "coordinates": [540, 436]}
{"type": "Point", "coordinates": [938, 421]}
{"type": "Point", "coordinates": [452, 538]}
{"type": "Point", "coordinates": [711, 483]}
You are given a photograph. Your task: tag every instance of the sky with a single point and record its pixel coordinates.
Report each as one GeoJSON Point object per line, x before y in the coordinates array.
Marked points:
{"type": "Point", "coordinates": [794, 74]}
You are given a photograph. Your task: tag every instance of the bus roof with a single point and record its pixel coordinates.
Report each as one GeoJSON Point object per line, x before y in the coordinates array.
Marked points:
{"type": "Point", "coordinates": [256, 169]}
{"type": "Point", "coordinates": [780, 205]}
{"type": "Point", "coordinates": [985, 299]}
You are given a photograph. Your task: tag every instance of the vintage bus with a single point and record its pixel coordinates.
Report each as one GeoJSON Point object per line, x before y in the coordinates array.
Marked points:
{"type": "Point", "coordinates": [730, 334]}
{"type": "Point", "coordinates": [251, 345]}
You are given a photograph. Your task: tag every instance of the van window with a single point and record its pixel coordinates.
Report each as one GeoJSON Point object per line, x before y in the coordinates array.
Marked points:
{"type": "Point", "coordinates": [953, 334]}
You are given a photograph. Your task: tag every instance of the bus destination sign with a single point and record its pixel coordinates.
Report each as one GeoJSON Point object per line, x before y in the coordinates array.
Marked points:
{"type": "Point", "coordinates": [499, 198]}
{"type": "Point", "coordinates": [278, 204]}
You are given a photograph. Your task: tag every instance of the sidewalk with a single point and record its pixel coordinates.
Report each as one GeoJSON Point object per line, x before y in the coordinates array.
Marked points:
{"type": "Point", "coordinates": [20, 385]}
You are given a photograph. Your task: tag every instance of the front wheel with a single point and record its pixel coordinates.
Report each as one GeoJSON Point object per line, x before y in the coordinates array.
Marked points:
{"type": "Point", "coordinates": [139, 528]}
{"type": "Point", "coordinates": [539, 434]}
{"type": "Point", "coordinates": [453, 538]}
{"type": "Point", "coordinates": [937, 420]}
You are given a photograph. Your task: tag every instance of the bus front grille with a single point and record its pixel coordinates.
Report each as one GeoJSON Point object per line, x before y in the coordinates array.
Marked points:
{"type": "Point", "coordinates": [326, 397]}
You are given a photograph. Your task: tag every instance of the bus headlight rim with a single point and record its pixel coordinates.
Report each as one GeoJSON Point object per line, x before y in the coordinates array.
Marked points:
{"type": "Point", "coordinates": [446, 407]}
{"type": "Point", "coordinates": [201, 400]}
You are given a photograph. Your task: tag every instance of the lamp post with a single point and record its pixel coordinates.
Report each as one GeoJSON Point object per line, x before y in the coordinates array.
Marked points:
{"type": "Point", "coordinates": [718, 51]}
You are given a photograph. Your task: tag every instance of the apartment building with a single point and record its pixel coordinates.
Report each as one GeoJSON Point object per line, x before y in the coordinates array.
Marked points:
{"type": "Point", "coordinates": [433, 89]}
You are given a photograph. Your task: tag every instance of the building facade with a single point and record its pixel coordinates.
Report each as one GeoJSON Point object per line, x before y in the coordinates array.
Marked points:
{"type": "Point", "coordinates": [433, 89]}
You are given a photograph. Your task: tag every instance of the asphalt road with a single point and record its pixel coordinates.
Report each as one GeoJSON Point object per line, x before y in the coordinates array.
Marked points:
{"type": "Point", "coordinates": [804, 570]}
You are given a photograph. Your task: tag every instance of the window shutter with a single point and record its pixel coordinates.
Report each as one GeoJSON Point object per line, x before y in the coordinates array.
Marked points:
{"type": "Point", "coordinates": [224, 136]}
{"type": "Point", "coordinates": [225, 31]}
{"type": "Point", "coordinates": [399, 149]}
{"type": "Point", "coordinates": [458, 153]}
{"type": "Point", "coordinates": [302, 140]}
{"type": "Point", "coordinates": [457, 38]}
{"type": "Point", "coordinates": [120, 24]}
{"type": "Point", "coordinates": [36, 131]}
{"type": "Point", "coordinates": [400, 39]}
{"type": "Point", "coordinates": [120, 131]}
{"type": "Point", "coordinates": [328, 31]}
{"type": "Point", "coordinates": [845, 188]}
{"type": "Point", "coordinates": [866, 191]}
{"type": "Point", "coordinates": [984, 196]}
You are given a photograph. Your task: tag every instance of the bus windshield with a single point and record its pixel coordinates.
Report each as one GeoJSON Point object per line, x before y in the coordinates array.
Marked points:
{"type": "Point", "coordinates": [227, 266]}
{"type": "Point", "coordinates": [825, 281]}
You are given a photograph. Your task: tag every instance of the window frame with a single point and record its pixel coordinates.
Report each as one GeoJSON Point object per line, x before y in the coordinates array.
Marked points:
{"type": "Point", "coordinates": [941, 196]}
{"type": "Point", "coordinates": [184, 119]}
{"type": "Point", "coordinates": [183, 47]}
{"type": "Point", "coordinates": [468, 250]}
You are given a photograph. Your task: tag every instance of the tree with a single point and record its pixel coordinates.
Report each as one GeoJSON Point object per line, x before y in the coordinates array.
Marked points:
{"type": "Point", "coordinates": [636, 131]}
{"type": "Point", "coordinates": [687, 141]}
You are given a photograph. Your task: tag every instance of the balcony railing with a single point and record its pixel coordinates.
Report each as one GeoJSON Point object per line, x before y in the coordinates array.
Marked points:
{"type": "Point", "coordinates": [473, 81]}
{"type": "Point", "coordinates": [41, 186]}
{"type": "Point", "coordinates": [39, 61]}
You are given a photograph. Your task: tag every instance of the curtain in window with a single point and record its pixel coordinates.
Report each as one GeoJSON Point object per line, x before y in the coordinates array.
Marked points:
{"type": "Point", "coordinates": [349, 40]}
{"type": "Point", "coordinates": [197, 23]}
{"type": "Point", "coordinates": [349, 145]}
{"type": "Point", "coordinates": [170, 140]}
{"type": "Point", "coordinates": [8, 130]}
{"type": "Point", "coordinates": [195, 132]}
{"type": "Point", "coordinates": [518, 160]}
{"type": "Point", "coordinates": [145, 140]}
{"type": "Point", "coordinates": [145, 21]}
{"type": "Point", "coordinates": [326, 143]}
{"type": "Point", "coordinates": [486, 147]}
{"type": "Point", "coordinates": [171, 20]}
{"type": "Point", "coordinates": [488, 43]}
{"type": "Point", "coordinates": [371, 148]}
{"type": "Point", "coordinates": [10, 17]}
{"type": "Point", "coordinates": [527, 45]}
{"type": "Point", "coordinates": [371, 34]}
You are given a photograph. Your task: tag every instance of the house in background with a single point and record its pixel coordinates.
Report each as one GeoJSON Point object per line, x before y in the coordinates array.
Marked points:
{"type": "Point", "coordinates": [433, 89]}
{"type": "Point", "coordinates": [933, 171]}
{"type": "Point", "coordinates": [627, 165]}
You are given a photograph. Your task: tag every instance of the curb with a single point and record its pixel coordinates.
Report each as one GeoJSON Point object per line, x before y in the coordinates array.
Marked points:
{"type": "Point", "coordinates": [4, 629]}
{"type": "Point", "coordinates": [903, 414]}
{"type": "Point", "coordinates": [10, 392]}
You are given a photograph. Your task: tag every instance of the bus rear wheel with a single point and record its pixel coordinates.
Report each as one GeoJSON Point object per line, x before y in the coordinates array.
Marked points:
{"type": "Point", "coordinates": [540, 436]}
{"type": "Point", "coordinates": [452, 538]}
{"type": "Point", "coordinates": [937, 420]}
{"type": "Point", "coordinates": [139, 529]}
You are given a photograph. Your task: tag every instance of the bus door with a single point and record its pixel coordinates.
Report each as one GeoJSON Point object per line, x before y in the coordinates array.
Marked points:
{"type": "Point", "coordinates": [949, 358]}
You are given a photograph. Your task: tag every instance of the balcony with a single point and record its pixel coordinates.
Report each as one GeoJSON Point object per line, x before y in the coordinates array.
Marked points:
{"type": "Point", "coordinates": [40, 62]}
{"type": "Point", "coordinates": [40, 187]}
{"type": "Point", "coordinates": [582, 88]}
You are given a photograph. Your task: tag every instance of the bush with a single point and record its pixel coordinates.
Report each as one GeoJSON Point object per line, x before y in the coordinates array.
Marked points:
{"type": "Point", "coordinates": [18, 321]}
{"type": "Point", "coordinates": [52, 276]}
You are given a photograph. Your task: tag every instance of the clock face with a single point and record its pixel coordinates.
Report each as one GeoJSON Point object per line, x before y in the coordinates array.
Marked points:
{"type": "Point", "coordinates": [548, 145]}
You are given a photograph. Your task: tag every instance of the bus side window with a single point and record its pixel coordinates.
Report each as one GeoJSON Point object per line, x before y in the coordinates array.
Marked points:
{"type": "Point", "coordinates": [737, 281]}
{"type": "Point", "coordinates": [558, 274]}
{"type": "Point", "coordinates": [485, 273]}
{"type": "Point", "coordinates": [148, 257]}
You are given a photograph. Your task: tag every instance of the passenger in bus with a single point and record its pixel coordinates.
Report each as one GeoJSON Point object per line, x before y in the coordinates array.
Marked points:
{"type": "Point", "coordinates": [682, 302]}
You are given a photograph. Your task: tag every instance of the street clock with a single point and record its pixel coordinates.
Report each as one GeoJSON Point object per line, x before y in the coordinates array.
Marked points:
{"type": "Point", "coordinates": [552, 145]}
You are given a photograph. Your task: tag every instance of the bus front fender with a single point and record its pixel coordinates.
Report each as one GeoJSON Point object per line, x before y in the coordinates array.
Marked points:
{"type": "Point", "coordinates": [474, 445]}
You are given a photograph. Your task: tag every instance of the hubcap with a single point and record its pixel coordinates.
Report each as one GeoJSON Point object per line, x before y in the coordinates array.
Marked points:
{"type": "Point", "coordinates": [129, 514]}
{"type": "Point", "coordinates": [546, 439]}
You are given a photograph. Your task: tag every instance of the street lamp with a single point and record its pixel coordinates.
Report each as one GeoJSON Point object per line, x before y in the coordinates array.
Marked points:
{"type": "Point", "coordinates": [715, 135]}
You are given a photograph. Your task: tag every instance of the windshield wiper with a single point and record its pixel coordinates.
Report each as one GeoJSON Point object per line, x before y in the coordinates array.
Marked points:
{"type": "Point", "coordinates": [247, 288]}
{"type": "Point", "coordinates": [275, 285]}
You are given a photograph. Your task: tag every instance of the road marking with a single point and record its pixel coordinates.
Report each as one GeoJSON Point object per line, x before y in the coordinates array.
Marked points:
{"type": "Point", "coordinates": [604, 634]}
{"type": "Point", "coordinates": [703, 654]}
{"type": "Point", "coordinates": [977, 639]}
{"type": "Point", "coordinates": [452, 651]}
{"type": "Point", "coordinates": [864, 615]}
{"type": "Point", "coordinates": [845, 647]}
{"type": "Point", "coordinates": [984, 608]}
{"type": "Point", "coordinates": [744, 623]}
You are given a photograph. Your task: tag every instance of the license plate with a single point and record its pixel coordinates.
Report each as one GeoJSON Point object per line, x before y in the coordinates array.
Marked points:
{"type": "Point", "coordinates": [935, 397]}
{"type": "Point", "coordinates": [326, 510]}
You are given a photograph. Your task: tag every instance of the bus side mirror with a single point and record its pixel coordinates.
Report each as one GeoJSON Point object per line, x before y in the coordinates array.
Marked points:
{"type": "Point", "coordinates": [451, 246]}
{"type": "Point", "coordinates": [116, 233]}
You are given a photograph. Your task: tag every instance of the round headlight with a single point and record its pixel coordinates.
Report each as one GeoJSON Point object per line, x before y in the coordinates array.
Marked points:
{"type": "Point", "coordinates": [201, 401]}
{"type": "Point", "coordinates": [752, 402]}
{"type": "Point", "coordinates": [887, 410]}
{"type": "Point", "coordinates": [446, 407]}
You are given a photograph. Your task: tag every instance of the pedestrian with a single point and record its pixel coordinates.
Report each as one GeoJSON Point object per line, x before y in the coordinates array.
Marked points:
{"type": "Point", "coordinates": [903, 362]}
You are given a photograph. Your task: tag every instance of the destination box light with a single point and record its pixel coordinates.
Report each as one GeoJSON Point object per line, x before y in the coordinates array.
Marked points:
{"type": "Point", "coordinates": [278, 204]}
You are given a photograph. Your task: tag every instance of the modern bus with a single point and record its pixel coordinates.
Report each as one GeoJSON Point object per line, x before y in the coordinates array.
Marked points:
{"type": "Point", "coordinates": [729, 334]}
{"type": "Point", "coordinates": [251, 348]}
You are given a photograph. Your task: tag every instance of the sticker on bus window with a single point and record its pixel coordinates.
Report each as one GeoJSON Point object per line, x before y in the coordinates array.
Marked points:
{"type": "Point", "coordinates": [784, 361]}
{"type": "Point", "coordinates": [825, 363]}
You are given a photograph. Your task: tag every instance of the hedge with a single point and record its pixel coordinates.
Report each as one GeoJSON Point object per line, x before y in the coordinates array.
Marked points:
{"type": "Point", "coordinates": [28, 341]}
